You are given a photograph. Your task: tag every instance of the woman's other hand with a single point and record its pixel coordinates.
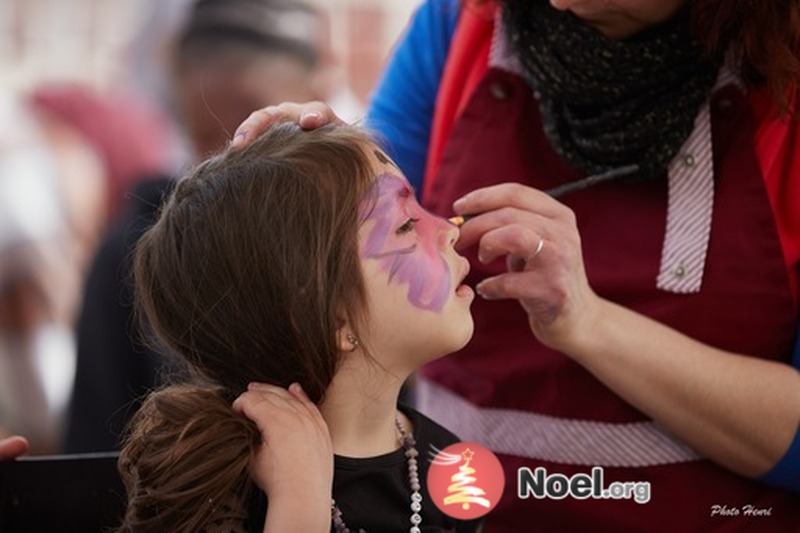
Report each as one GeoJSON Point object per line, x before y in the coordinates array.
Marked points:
{"type": "Point", "coordinates": [294, 464]}
{"type": "Point", "coordinates": [308, 115]}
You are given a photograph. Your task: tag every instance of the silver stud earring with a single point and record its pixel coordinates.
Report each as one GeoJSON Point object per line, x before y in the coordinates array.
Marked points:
{"type": "Point", "coordinates": [352, 339]}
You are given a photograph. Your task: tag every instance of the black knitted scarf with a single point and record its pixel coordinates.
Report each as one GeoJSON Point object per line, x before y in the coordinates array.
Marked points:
{"type": "Point", "coordinates": [608, 103]}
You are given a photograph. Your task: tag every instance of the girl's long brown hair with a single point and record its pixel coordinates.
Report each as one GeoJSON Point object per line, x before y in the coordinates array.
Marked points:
{"type": "Point", "coordinates": [248, 273]}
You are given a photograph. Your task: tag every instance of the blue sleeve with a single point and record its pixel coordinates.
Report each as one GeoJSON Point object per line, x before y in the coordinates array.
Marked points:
{"type": "Point", "coordinates": [786, 473]}
{"type": "Point", "coordinates": [796, 354]}
{"type": "Point", "coordinates": [402, 105]}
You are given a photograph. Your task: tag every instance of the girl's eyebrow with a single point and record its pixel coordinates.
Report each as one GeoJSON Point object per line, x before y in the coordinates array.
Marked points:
{"type": "Point", "coordinates": [396, 187]}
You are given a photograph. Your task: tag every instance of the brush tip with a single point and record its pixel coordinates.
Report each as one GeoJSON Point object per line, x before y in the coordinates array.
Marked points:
{"type": "Point", "coordinates": [457, 220]}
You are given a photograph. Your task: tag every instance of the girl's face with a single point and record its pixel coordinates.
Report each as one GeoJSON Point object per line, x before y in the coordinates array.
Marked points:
{"type": "Point", "coordinates": [619, 19]}
{"type": "Point", "coordinates": [413, 275]}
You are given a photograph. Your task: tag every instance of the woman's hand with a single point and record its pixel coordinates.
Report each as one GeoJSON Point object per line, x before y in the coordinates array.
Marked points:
{"type": "Point", "coordinates": [12, 447]}
{"type": "Point", "coordinates": [294, 464]}
{"type": "Point", "coordinates": [539, 238]}
{"type": "Point", "coordinates": [309, 116]}
{"type": "Point", "coordinates": [737, 410]}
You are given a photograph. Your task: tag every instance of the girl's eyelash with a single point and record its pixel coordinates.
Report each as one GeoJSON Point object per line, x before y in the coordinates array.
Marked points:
{"type": "Point", "coordinates": [407, 226]}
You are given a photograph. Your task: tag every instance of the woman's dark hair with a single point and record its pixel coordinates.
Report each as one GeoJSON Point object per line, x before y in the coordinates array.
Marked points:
{"type": "Point", "coordinates": [763, 36]}
{"type": "Point", "coordinates": [248, 273]}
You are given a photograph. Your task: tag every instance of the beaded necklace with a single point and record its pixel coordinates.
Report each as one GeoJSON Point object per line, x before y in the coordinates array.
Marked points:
{"type": "Point", "coordinates": [409, 446]}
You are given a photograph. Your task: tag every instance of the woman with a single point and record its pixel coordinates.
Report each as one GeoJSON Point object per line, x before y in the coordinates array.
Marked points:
{"type": "Point", "coordinates": [663, 304]}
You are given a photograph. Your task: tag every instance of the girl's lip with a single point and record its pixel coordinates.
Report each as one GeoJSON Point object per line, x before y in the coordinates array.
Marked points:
{"type": "Point", "coordinates": [464, 270]}
{"type": "Point", "coordinates": [465, 291]}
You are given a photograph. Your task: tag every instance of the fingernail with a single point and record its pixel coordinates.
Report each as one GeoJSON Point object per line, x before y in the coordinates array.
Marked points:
{"type": "Point", "coordinates": [460, 202]}
{"type": "Point", "coordinates": [479, 291]}
{"type": "Point", "coordinates": [310, 116]}
{"type": "Point", "coordinates": [238, 139]}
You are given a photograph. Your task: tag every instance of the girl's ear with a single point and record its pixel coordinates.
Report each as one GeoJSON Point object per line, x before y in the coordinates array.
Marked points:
{"type": "Point", "coordinates": [346, 340]}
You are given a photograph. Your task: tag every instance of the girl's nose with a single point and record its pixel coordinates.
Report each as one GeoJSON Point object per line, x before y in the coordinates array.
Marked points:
{"type": "Point", "coordinates": [449, 230]}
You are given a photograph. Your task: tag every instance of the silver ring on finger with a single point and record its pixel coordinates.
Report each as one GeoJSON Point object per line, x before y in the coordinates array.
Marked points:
{"type": "Point", "coordinates": [537, 251]}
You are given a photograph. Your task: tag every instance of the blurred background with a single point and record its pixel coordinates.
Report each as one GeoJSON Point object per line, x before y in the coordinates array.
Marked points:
{"type": "Point", "coordinates": [102, 42]}
{"type": "Point", "coordinates": [103, 103]}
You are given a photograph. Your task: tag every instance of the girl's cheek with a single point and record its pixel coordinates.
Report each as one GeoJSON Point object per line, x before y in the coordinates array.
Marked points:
{"type": "Point", "coordinates": [428, 235]}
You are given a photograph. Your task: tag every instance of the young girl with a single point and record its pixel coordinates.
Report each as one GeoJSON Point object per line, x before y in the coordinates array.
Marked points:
{"type": "Point", "coordinates": [300, 278]}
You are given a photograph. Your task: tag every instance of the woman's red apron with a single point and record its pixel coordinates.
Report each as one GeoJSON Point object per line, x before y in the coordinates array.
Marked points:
{"type": "Point", "coordinates": [745, 305]}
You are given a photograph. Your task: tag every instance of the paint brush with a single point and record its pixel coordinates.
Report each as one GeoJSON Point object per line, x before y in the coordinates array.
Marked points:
{"type": "Point", "coordinates": [561, 190]}
{"type": "Point", "coordinates": [594, 179]}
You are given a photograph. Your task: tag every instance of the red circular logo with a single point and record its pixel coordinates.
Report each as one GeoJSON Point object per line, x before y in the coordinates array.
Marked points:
{"type": "Point", "coordinates": [466, 480]}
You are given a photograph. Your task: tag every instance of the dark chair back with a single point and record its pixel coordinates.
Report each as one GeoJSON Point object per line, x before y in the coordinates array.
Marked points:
{"type": "Point", "coordinates": [81, 493]}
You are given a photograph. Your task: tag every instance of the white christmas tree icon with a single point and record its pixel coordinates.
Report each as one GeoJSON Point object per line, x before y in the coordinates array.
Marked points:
{"type": "Point", "coordinates": [462, 490]}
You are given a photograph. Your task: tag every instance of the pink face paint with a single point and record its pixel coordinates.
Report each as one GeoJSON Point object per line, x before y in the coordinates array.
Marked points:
{"type": "Point", "coordinates": [415, 256]}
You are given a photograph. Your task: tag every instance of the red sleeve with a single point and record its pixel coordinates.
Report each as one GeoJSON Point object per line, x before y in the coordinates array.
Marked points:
{"type": "Point", "coordinates": [777, 144]}
{"type": "Point", "coordinates": [466, 64]}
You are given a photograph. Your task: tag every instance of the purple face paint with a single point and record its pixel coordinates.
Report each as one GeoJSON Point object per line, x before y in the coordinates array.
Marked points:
{"type": "Point", "coordinates": [410, 254]}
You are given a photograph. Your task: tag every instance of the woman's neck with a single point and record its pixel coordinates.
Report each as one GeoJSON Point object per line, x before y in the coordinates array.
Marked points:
{"type": "Point", "coordinates": [360, 408]}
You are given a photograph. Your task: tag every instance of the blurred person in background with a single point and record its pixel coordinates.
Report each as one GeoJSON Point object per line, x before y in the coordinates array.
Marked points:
{"type": "Point", "coordinates": [66, 152]}
{"type": "Point", "coordinates": [159, 63]}
{"type": "Point", "coordinates": [229, 57]}
{"type": "Point", "coordinates": [127, 132]}
{"type": "Point", "coordinates": [39, 274]}
{"type": "Point", "coordinates": [232, 55]}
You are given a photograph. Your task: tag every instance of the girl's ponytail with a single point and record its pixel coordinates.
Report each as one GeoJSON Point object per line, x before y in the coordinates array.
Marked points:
{"type": "Point", "coordinates": [185, 462]}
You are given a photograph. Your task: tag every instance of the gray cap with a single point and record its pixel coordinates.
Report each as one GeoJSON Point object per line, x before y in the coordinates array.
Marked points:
{"type": "Point", "coordinates": [283, 25]}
